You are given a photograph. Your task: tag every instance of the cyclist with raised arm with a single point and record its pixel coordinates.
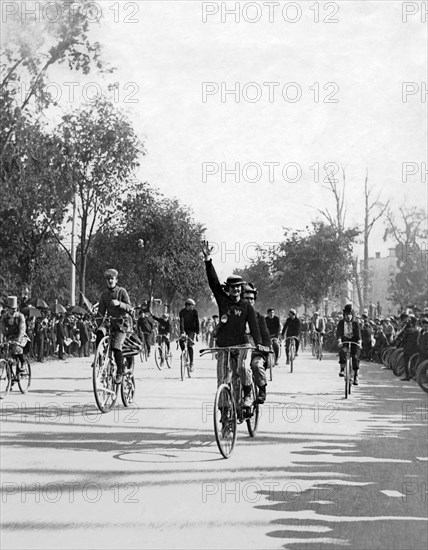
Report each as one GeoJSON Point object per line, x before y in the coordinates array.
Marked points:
{"type": "Point", "coordinates": [234, 315]}
{"type": "Point", "coordinates": [349, 330]}
{"type": "Point", "coordinates": [115, 302]}
{"type": "Point", "coordinates": [14, 330]}
{"type": "Point", "coordinates": [291, 328]}
{"type": "Point", "coordinates": [164, 331]}
{"type": "Point", "coordinates": [189, 326]}
{"type": "Point", "coordinates": [274, 327]}
{"type": "Point", "coordinates": [258, 358]}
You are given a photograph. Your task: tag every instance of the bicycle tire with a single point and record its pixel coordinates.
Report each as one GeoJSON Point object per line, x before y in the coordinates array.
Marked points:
{"type": "Point", "coordinates": [319, 351]}
{"type": "Point", "coordinates": [413, 364]}
{"type": "Point", "coordinates": [291, 352]}
{"type": "Point", "coordinates": [168, 358]}
{"type": "Point", "coordinates": [270, 362]}
{"type": "Point", "coordinates": [347, 378]}
{"type": "Point", "coordinates": [224, 406]}
{"type": "Point", "coordinates": [422, 375]}
{"type": "Point", "coordinates": [5, 378]}
{"type": "Point", "coordinates": [158, 357]}
{"type": "Point", "coordinates": [105, 388]}
{"type": "Point", "coordinates": [24, 377]}
{"type": "Point", "coordinates": [182, 365]}
{"type": "Point", "coordinates": [385, 355]}
{"type": "Point", "coordinates": [127, 388]}
{"type": "Point", "coordinates": [253, 420]}
{"type": "Point", "coordinates": [398, 362]}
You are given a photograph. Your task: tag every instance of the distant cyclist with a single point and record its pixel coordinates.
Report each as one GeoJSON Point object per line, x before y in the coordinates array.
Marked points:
{"type": "Point", "coordinates": [164, 331]}
{"type": "Point", "coordinates": [317, 328]}
{"type": "Point", "coordinates": [291, 328]}
{"type": "Point", "coordinates": [189, 326]}
{"type": "Point", "coordinates": [348, 330]}
{"type": "Point", "coordinates": [14, 330]}
{"type": "Point", "coordinates": [274, 327]}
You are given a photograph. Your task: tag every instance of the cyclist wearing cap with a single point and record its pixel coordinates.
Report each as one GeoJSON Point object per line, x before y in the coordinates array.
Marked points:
{"type": "Point", "coordinates": [258, 358]}
{"type": "Point", "coordinates": [234, 315]}
{"type": "Point", "coordinates": [348, 330]}
{"type": "Point", "coordinates": [14, 330]}
{"type": "Point", "coordinates": [115, 302]}
{"type": "Point", "coordinates": [189, 325]}
{"type": "Point", "coordinates": [317, 326]}
{"type": "Point", "coordinates": [291, 328]}
{"type": "Point", "coordinates": [164, 330]}
{"type": "Point", "coordinates": [274, 327]}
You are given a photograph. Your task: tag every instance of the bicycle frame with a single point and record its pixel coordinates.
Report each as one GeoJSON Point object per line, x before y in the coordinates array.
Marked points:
{"type": "Point", "coordinates": [9, 375]}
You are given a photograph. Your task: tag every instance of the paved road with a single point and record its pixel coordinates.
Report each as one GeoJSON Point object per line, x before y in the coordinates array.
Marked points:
{"type": "Point", "coordinates": [323, 472]}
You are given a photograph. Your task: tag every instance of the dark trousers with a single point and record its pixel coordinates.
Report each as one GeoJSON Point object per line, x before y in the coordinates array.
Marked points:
{"type": "Point", "coordinates": [355, 354]}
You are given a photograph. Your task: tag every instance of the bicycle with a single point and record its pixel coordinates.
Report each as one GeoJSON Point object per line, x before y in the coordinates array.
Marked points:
{"type": "Point", "coordinates": [302, 339]}
{"type": "Point", "coordinates": [184, 357]}
{"type": "Point", "coordinates": [348, 367]}
{"type": "Point", "coordinates": [292, 350]}
{"type": "Point", "coordinates": [229, 410]}
{"type": "Point", "coordinates": [162, 355]}
{"type": "Point", "coordinates": [22, 376]}
{"type": "Point", "coordinates": [104, 371]}
{"type": "Point", "coordinates": [317, 344]}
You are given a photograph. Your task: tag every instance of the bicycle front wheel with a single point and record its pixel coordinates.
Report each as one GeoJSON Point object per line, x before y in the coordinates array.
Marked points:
{"type": "Point", "coordinates": [253, 420]}
{"type": "Point", "coordinates": [182, 364]}
{"type": "Point", "coordinates": [291, 357]}
{"type": "Point", "coordinates": [422, 375]}
{"type": "Point", "coordinates": [105, 390]}
{"type": "Point", "coordinates": [225, 422]}
{"type": "Point", "coordinates": [5, 378]}
{"type": "Point", "coordinates": [168, 358]}
{"type": "Point", "coordinates": [24, 376]}
{"type": "Point", "coordinates": [127, 388]}
{"type": "Point", "coordinates": [320, 351]}
{"type": "Point", "coordinates": [347, 379]}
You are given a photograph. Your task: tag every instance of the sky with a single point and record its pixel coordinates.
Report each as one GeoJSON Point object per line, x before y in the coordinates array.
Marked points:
{"type": "Point", "coordinates": [315, 83]}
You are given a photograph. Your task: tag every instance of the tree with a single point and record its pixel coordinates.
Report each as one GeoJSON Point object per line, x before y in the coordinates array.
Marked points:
{"type": "Point", "coordinates": [103, 153]}
{"type": "Point", "coordinates": [410, 284]}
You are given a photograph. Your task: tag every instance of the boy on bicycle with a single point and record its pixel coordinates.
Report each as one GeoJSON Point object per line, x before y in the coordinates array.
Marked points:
{"type": "Point", "coordinates": [114, 302]}
{"type": "Point", "coordinates": [14, 329]}
{"type": "Point", "coordinates": [291, 328]}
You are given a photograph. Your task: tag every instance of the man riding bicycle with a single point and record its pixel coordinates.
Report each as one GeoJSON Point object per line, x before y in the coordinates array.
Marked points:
{"type": "Point", "coordinates": [14, 330]}
{"type": "Point", "coordinates": [274, 327]}
{"type": "Point", "coordinates": [234, 315]}
{"type": "Point", "coordinates": [348, 330]}
{"type": "Point", "coordinates": [291, 328]}
{"type": "Point", "coordinates": [164, 331]}
{"type": "Point", "coordinates": [114, 302]}
{"type": "Point", "coordinates": [317, 328]}
{"type": "Point", "coordinates": [189, 326]}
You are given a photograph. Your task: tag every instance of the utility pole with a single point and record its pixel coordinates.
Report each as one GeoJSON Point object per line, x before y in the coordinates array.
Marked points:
{"type": "Point", "coordinates": [73, 254]}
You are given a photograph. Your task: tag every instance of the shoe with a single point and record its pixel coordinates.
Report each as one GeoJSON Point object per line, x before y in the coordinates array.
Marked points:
{"type": "Point", "coordinates": [405, 379]}
{"type": "Point", "coordinates": [262, 395]}
{"type": "Point", "coordinates": [276, 364]}
{"type": "Point", "coordinates": [119, 378]}
{"type": "Point", "coordinates": [248, 401]}
{"type": "Point", "coordinates": [342, 371]}
{"type": "Point", "coordinates": [287, 362]}
{"type": "Point", "coordinates": [297, 355]}
{"type": "Point", "coordinates": [355, 380]}
{"type": "Point", "coordinates": [191, 367]}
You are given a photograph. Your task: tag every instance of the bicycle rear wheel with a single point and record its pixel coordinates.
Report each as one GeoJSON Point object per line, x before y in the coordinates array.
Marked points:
{"type": "Point", "coordinates": [158, 357]}
{"type": "Point", "coordinates": [253, 420]}
{"type": "Point", "coordinates": [105, 389]}
{"type": "Point", "coordinates": [320, 350]}
{"type": "Point", "coordinates": [291, 356]}
{"type": "Point", "coordinates": [5, 378]}
{"type": "Point", "coordinates": [24, 376]}
{"type": "Point", "coordinates": [127, 388]}
{"type": "Point", "coordinates": [168, 357]}
{"type": "Point", "coordinates": [225, 422]}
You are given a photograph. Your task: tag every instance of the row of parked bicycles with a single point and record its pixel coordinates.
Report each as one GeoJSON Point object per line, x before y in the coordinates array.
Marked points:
{"type": "Point", "coordinates": [393, 358]}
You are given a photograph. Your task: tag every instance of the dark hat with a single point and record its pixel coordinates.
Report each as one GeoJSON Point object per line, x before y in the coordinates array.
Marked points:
{"type": "Point", "coordinates": [111, 273]}
{"type": "Point", "coordinates": [234, 280]}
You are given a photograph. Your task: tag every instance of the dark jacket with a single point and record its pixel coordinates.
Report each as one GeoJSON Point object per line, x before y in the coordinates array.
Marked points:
{"type": "Point", "coordinates": [291, 326]}
{"type": "Point", "coordinates": [235, 315]}
{"type": "Point", "coordinates": [165, 326]}
{"type": "Point", "coordinates": [189, 321]}
{"type": "Point", "coordinates": [423, 344]}
{"type": "Point", "coordinates": [356, 331]}
{"type": "Point", "coordinates": [410, 340]}
{"type": "Point", "coordinates": [273, 325]}
{"type": "Point", "coordinates": [145, 325]}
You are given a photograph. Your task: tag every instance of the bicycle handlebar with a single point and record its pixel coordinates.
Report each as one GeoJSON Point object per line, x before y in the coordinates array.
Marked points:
{"type": "Point", "coordinates": [228, 348]}
{"type": "Point", "coordinates": [354, 343]}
